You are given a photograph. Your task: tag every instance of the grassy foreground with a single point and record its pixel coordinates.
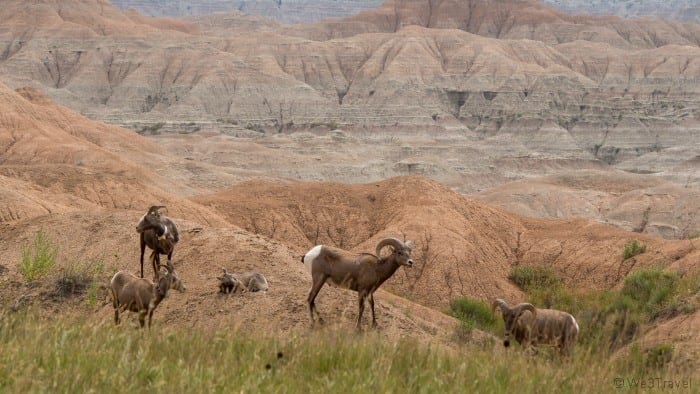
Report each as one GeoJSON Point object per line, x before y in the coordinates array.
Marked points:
{"type": "Point", "coordinates": [68, 355]}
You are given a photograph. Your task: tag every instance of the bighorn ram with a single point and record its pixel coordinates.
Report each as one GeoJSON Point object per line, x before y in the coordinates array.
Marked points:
{"type": "Point", "coordinates": [135, 294]}
{"type": "Point", "coordinates": [363, 274]}
{"type": "Point", "coordinates": [530, 326]}
{"type": "Point", "coordinates": [159, 234]}
{"type": "Point", "coordinates": [250, 281]}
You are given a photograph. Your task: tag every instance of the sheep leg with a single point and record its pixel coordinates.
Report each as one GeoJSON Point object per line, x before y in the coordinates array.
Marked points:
{"type": "Point", "coordinates": [143, 250]}
{"type": "Point", "coordinates": [371, 305]}
{"type": "Point", "coordinates": [116, 316]}
{"type": "Point", "coordinates": [142, 318]}
{"type": "Point", "coordinates": [362, 296]}
{"type": "Point", "coordinates": [155, 262]}
{"type": "Point", "coordinates": [150, 316]}
{"type": "Point", "coordinates": [318, 283]}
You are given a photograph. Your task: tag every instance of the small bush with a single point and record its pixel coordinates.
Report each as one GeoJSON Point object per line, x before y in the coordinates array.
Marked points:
{"type": "Point", "coordinates": [649, 289]}
{"type": "Point", "coordinates": [472, 314]}
{"type": "Point", "coordinates": [633, 248]}
{"type": "Point", "coordinates": [533, 278]}
{"type": "Point", "coordinates": [38, 257]}
{"type": "Point", "coordinates": [77, 278]}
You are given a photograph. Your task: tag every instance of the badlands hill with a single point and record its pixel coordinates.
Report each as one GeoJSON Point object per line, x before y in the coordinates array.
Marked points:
{"type": "Point", "coordinates": [680, 10]}
{"type": "Point", "coordinates": [296, 11]}
{"type": "Point", "coordinates": [633, 202]}
{"type": "Point", "coordinates": [471, 95]}
{"type": "Point", "coordinates": [86, 184]}
{"type": "Point", "coordinates": [288, 11]}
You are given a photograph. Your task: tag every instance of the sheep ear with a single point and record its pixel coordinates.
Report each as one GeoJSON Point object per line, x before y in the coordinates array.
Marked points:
{"type": "Point", "coordinates": [409, 244]}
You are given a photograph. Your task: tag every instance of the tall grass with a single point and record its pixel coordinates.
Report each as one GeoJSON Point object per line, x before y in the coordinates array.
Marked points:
{"type": "Point", "coordinates": [67, 355]}
{"type": "Point", "coordinates": [612, 319]}
{"type": "Point", "coordinates": [38, 257]}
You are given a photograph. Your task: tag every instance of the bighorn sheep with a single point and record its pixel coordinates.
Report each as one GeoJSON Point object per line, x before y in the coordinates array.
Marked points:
{"type": "Point", "coordinates": [363, 274]}
{"type": "Point", "coordinates": [530, 326]}
{"type": "Point", "coordinates": [158, 233]}
{"type": "Point", "coordinates": [135, 294]}
{"type": "Point", "coordinates": [250, 281]}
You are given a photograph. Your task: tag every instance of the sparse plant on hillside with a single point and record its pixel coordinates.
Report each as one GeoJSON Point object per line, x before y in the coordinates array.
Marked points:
{"type": "Point", "coordinates": [425, 255]}
{"type": "Point", "coordinates": [473, 314]}
{"type": "Point", "coordinates": [530, 278]}
{"type": "Point", "coordinates": [633, 248]}
{"type": "Point", "coordinates": [79, 277]}
{"type": "Point", "coordinates": [650, 289]}
{"type": "Point", "coordinates": [38, 257]}
{"type": "Point", "coordinates": [152, 129]}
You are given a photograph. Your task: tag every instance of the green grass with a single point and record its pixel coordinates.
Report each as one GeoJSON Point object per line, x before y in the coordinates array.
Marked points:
{"type": "Point", "coordinates": [528, 278]}
{"type": "Point", "coordinates": [38, 257]}
{"type": "Point", "coordinates": [612, 319]}
{"type": "Point", "coordinates": [73, 355]}
{"type": "Point", "coordinates": [473, 314]}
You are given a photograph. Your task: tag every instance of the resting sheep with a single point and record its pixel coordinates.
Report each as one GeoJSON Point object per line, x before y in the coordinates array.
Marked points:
{"type": "Point", "coordinates": [135, 294]}
{"type": "Point", "coordinates": [250, 281]}
{"type": "Point", "coordinates": [363, 274]}
{"type": "Point", "coordinates": [159, 233]}
{"type": "Point", "coordinates": [531, 326]}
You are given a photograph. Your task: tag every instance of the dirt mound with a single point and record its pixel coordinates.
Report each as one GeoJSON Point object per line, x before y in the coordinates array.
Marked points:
{"type": "Point", "coordinates": [55, 160]}
{"type": "Point", "coordinates": [79, 19]}
{"type": "Point", "coordinates": [633, 202]}
{"type": "Point", "coordinates": [463, 247]}
{"type": "Point", "coordinates": [110, 238]}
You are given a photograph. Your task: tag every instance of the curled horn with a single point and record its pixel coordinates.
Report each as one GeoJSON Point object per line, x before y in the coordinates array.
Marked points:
{"type": "Point", "coordinates": [525, 306]}
{"type": "Point", "coordinates": [155, 208]}
{"type": "Point", "coordinates": [501, 303]}
{"type": "Point", "coordinates": [167, 267]}
{"type": "Point", "coordinates": [395, 243]}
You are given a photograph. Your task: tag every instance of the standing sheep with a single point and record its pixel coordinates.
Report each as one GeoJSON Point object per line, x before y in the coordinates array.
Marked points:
{"type": "Point", "coordinates": [135, 294]}
{"type": "Point", "coordinates": [363, 274]}
{"type": "Point", "coordinates": [159, 233]}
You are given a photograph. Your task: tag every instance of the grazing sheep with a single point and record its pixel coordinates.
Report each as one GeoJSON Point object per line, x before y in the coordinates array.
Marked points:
{"type": "Point", "coordinates": [531, 326]}
{"type": "Point", "coordinates": [250, 281]}
{"type": "Point", "coordinates": [158, 233]}
{"type": "Point", "coordinates": [135, 294]}
{"type": "Point", "coordinates": [363, 274]}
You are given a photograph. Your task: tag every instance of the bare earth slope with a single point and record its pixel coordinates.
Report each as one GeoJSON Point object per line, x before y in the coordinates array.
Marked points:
{"type": "Point", "coordinates": [463, 246]}
{"type": "Point", "coordinates": [634, 202]}
{"type": "Point", "coordinates": [54, 160]}
{"type": "Point", "coordinates": [613, 89]}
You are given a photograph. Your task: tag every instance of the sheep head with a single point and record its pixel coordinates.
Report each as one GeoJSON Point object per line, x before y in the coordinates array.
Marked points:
{"type": "Point", "coordinates": [227, 282]}
{"type": "Point", "coordinates": [151, 220]}
{"type": "Point", "coordinates": [511, 316]}
{"type": "Point", "coordinates": [169, 280]}
{"type": "Point", "coordinates": [402, 251]}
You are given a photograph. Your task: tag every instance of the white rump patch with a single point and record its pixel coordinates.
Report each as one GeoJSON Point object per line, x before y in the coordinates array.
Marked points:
{"type": "Point", "coordinates": [576, 324]}
{"type": "Point", "coordinates": [310, 256]}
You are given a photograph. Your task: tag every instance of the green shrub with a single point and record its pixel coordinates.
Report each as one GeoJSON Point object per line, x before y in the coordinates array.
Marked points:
{"type": "Point", "coordinates": [633, 248]}
{"type": "Point", "coordinates": [472, 314]}
{"type": "Point", "coordinates": [38, 257]}
{"type": "Point", "coordinates": [649, 289]}
{"type": "Point", "coordinates": [531, 278]}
